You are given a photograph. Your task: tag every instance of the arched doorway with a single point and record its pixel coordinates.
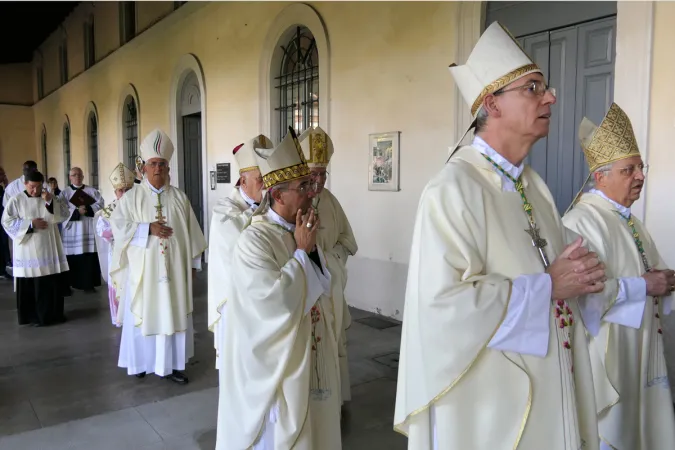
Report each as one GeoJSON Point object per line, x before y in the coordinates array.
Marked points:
{"type": "Point", "coordinates": [189, 134]}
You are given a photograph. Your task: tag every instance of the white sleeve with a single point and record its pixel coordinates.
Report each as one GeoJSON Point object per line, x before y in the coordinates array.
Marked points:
{"type": "Point", "coordinates": [525, 329]}
{"type": "Point", "coordinates": [141, 235]}
{"type": "Point", "coordinates": [314, 278]}
{"type": "Point", "coordinates": [197, 263]}
{"type": "Point", "coordinates": [630, 303]}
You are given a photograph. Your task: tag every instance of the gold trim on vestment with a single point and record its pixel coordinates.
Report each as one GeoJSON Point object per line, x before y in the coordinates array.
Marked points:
{"type": "Point", "coordinates": [461, 375]}
{"type": "Point", "coordinates": [529, 402]}
{"type": "Point", "coordinates": [248, 169]}
{"type": "Point", "coordinates": [284, 175]}
{"type": "Point", "coordinates": [501, 82]}
{"type": "Point", "coordinates": [318, 149]}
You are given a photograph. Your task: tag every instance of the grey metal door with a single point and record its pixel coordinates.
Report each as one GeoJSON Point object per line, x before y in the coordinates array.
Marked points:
{"type": "Point", "coordinates": [579, 62]}
{"type": "Point", "coordinates": [192, 164]}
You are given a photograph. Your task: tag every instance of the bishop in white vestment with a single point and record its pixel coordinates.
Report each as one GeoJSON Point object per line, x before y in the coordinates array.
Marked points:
{"type": "Point", "coordinates": [492, 357]}
{"type": "Point", "coordinates": [335, 237]}
{"type": "Point", "coordinates": [79, 234]}
{"type": "Point", "coordinates": [230, 216]}
{"type": "Point", "coordinates": [633, 397]}
{"type": "Point", "coordinates": [280, 371]}
{"type": "Point", "coordinates": [158, 243]}
{"type": "Point", "coordinates": [40, 265]}
{"type": "Point", "coordinates": [122, 180]}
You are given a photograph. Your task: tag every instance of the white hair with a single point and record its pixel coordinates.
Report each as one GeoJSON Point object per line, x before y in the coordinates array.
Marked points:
{"type": "Point", "coordinates": [591, 182]}
{"type": "Point", "coordinates": [481, 119]}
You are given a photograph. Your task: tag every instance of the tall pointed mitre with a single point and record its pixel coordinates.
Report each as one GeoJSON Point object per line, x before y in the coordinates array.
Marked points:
{"type": "Point", "coordinates": [245, 154]}
{"type": "Point", "coordinates": [496, 61]}
{"type": "Point", "coordinates": [613, 140]}
{"type": "Point", "coordinates": [317, 147]}
{"type": "Point", "coordinates": [157, 145]}
{"type": "Point", "coordinates": [283, 163]}
{"type": "Point", "coordinates": [122, 178]}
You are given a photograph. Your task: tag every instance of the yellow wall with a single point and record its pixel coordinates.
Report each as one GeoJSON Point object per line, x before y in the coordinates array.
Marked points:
{"type": "Point", "coordinates": [16, 84]}
{"type": "Point", "coordinates": [660, 208]}
{"type": "Point", "coordinates": [388, 72]}
{"type": "Point", "coordinates": [17, 139]}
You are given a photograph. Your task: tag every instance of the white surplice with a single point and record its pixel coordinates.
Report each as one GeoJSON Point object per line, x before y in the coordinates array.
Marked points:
{"type": "Point", "coordinates": [230, 216]}
{"type": "Point", "coordinates": [104, 248]}
{"type": "Point", "coordinates": [337, 240]}
{"type": "Point", "coordinates": [156, 278]}
{"type": "Point", "coordinates": [79, 235]}
{"type": "Point", "coordinates": [17, 187]}
{"type": "Point", "coordinates": [488, 361]}
{"type": "Point", "coordinates": [38, 253]}
{"type": "Point", "coordinates": [633, 397]}
{"type": "Point", "coordinates": [280, 379]}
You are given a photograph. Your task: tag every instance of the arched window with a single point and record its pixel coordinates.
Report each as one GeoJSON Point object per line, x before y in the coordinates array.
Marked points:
{"type": "Point", "coordinates": [43, 148]}
{"type": "Point", "coordinates": [66, 152]}
{"type": "Point", "coordinates": [130, 120]}
{"type": "Point", "coordinates": [92, 140]}
{"type": "Point", "coordinates": [298, 83]}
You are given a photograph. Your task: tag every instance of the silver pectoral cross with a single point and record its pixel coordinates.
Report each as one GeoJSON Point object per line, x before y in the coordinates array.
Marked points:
{"type": "Point", "coordinates": [539, 243]}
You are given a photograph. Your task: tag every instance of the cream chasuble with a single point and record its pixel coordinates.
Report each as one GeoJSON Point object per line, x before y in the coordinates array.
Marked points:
{"type": "Point", "coordinates": [159, 271]}
{"type": "Point", "coordinates": [634, 403]}
{"type": "Point", "coordinates": [230, 216]}
{"type": "Point", "coordinates": [280, 377]}
{"type": "Point", "coordinates": [469, 249]}
{"type": "Point", "coordinates": [39, 253]}
{"type": "Point", "coordinates": [104, 248]}
{"type": "Point", "coordinates": [336, 239]}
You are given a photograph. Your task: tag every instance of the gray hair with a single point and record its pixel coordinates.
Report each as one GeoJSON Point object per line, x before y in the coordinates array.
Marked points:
{"type": "Point", "coordinates": [277, 187]}
{"type": "Point", "coordinates": [481, 119]}
{"type": "Point", "coordinates": [591, 182]}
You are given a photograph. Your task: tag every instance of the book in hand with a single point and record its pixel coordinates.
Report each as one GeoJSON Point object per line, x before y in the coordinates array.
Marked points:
{"type": "Point", "coordinates": [81, 198]}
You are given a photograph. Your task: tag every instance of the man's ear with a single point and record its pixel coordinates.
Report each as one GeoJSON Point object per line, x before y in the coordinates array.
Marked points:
{"type": "Point", "coordinates": [491, 106]}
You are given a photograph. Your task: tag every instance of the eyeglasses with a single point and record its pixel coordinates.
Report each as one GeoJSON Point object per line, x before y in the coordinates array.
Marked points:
{"type": "Point", "coordinates": [302, 189]}
{"type": "Point", "coordinates": [323, 174]}
{"type": "Point", "coordinates": [629, 171]}
{"type": "Point", "coordinates": [535, 87]}
{"type": "Point", "coordinates": [160, 164]}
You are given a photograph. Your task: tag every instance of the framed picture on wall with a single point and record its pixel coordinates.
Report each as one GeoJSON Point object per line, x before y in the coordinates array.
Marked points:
{"type": "Point", "coordinates": [383, 161]}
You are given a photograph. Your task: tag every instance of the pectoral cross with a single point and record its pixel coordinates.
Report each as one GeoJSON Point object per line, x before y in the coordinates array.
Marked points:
{"type": "Point", "coordinates": [539, 243]}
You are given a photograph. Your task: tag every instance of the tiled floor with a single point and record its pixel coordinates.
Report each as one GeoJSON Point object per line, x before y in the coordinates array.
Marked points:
{"type": "Point", "coordinates": [60, 387]}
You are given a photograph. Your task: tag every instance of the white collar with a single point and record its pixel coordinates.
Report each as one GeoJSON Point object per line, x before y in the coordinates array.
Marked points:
{"type": "Point", "coordinates": [246, 198]}
{"type": "Point", "coordinates": [484, 148]}
{"type": "Point", "coordinates": [276, 218]}
{"type": "Point", "coordinates": [154, 189]}
{"type": "Point", "coordinates": [625, 212]}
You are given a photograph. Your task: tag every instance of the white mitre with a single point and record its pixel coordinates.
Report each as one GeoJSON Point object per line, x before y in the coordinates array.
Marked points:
{"type": "Point", "coordinates": [244, 154]}
{"type": "Point", "coordinates": [122, 178]}
{"type": "Point", "coordinates": [496, 61]}
{"type": "Point", "coordinates": [283, 163]}
{"type": "Point", "coordinates": [317, 147]}
{"type": "Point", "coordinates": [157, 145]}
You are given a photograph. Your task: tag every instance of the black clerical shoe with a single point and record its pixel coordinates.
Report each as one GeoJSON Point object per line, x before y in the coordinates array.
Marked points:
{"type": "Point", "coordinates": [140, 375]}
{"type": "Point", "coordinates": [177, 377]}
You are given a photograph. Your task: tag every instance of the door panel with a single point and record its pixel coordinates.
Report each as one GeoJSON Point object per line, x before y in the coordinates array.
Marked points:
{"type": "Point", "coordinates": [595, 82]}
{"type": "Point", "coordinates": [192, 167]}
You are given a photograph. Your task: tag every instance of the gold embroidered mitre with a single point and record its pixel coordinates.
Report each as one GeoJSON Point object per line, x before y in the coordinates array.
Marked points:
{"type": "Point", "coordinates": [122, 178]}
{"type": "Point", "coordinates": [244, 154]}
{"type": "Point", "coordinates": [283, 163]}
{"type": "Point", "coordinates": [496, 61]}
{"type": "Point", "coordinates": [317, 147]}
{"type": "Point", "coordinates": [613, 140]}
